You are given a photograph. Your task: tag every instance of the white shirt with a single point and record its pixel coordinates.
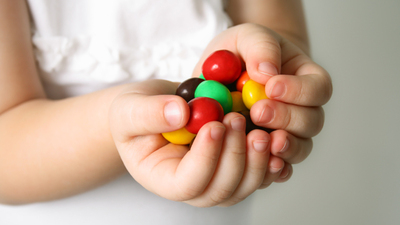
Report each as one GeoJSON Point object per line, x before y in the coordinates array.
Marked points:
{"type": "Point", "coordinates": [86, 45]}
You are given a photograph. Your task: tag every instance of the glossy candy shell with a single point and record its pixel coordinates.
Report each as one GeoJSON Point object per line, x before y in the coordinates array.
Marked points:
{"type": "Point", "coordinates": [253, 92]}
{"type": "Point", "coordinates": [179, 137]}
{"type": "Point", "coordinates": [222, 66]}
{"type": "Point", "coordinates": [237, 102]}
{"type": "Point", "coordinates": [244, 77]}
{"type": "Point", "coordinates": [215, 90]}
{"type": "Point", "coordinates": [187, 88]}
{"type": "Point", "coordinates": [202, 111]}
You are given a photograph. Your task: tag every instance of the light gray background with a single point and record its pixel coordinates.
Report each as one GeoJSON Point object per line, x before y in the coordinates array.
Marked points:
{"type": "Point", "coordinates": [352, 175]}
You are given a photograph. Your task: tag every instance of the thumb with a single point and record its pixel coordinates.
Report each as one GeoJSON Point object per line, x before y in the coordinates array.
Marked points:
{"type": "Point", "coordinates": [137, 114]}
{"type": "Point", "coordinates": [260, 49]}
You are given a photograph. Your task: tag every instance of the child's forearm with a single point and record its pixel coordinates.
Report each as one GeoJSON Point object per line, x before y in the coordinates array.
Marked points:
{"type": "Point", "coordinates": [52, 149]}
{"type": "Point", "coordinates": [284, 17]}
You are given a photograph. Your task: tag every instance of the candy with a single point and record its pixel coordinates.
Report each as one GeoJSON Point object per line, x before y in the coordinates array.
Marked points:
{"type": "Point", "coordinates": [202, 111]}
{"type": "Point", "coordinates": [244, 77]}
{"type": "Point", "coordinates": [215, 90]}
{"type": "Point", "coordinates": [186, 89]}
{"type": "Point", "coordinates": [237, 102]}
{"type": "Point", "coordinates": [221, 88]}
{"type": "Point", "coordinates": [222, 66]}
{"type": "Point", "coordinates": [253, 92]}
{"type": "Point", "coordinates": [179, 137]}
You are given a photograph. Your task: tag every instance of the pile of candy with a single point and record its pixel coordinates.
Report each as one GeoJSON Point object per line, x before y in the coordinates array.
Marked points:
{"type": "Point", "coordinates": [222, 88]}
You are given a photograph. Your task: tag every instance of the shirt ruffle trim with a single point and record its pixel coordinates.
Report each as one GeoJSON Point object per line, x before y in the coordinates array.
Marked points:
{"type": "Point", "coordinates": [85, 59]}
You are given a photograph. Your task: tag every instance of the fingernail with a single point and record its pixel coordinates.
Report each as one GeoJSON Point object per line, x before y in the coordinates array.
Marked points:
{"type": "Point", "coordinates": [267, 68]}
{"type": "Point", "coordinates": [285, 146]}
{"type": "Point", "coordinates": [217, 133]}
{"type": "Point", "coordinates": [173, 114]}
{"type": "Point", "coordinates": [275, 169]}
{"type": "Point", "coordinates": [278, 90]}
{"type": "Point", "coordinates": [260, 146]}
{"type": "Point", "coordinates": [267, 115]}
{"type": "Point", "coordinates": [238, 124]}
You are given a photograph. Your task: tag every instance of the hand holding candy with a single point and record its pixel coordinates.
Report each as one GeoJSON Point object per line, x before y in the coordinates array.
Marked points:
{"type": "Point", "coordinates": [219, 69]}
{"type": "Point", "coordinates": [223, 165]}
{"type": "Point", "coordinates": [296, 86]}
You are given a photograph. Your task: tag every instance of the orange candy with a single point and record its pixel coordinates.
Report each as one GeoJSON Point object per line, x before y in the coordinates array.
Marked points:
{"type": "Point", "coordinates": [244, 77]}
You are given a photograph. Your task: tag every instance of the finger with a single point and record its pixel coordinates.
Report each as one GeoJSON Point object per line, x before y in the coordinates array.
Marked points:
{"type": "Point", "coordinates": [289, 147]}
{"type": "Point", "coordinates": [196, 169]}
{"type": "Point", "coordinates": [156, 114]}
{"type": "Point", "coordinates": [261, 51]}
{"type": "Point", "coordinates": [314, 89]}
{"type": "Point", "coordinates": [231, 164]}
{"type": "Point", "coordinates": [152, 162]}
{"type": "Point", "coordinates": [305, 90]}
{"type": "Point", "coordinates": [258, 46]}
{"type": "Point", "coordinates": [286, 173]}
{"type": "Point", "coordinates": [275, 168]}
{"type": "Point", "coordinates": [304, 122]}
{"type": "Point", "coordinates": [258, 145]}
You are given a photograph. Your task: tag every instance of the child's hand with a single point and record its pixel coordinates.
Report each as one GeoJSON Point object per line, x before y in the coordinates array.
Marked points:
{"type": "Point", "coordinates": [216, 171]}
{"type": "Point", "coordinates": [296, 86]}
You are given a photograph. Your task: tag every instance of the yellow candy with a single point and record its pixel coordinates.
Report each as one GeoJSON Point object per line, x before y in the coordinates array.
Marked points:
{"type": "Point", "coordinates": [253, 92]}
{"type": "Point", "coordinates": [237, 102]}
{"type": "Point", "coordinates": [179, 137]}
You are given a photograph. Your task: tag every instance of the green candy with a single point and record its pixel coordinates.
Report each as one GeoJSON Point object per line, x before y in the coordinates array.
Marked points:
{"type": "Point", "coordinates": [202, 76]}
{"type": "Point", "coordinates": [215, 90]}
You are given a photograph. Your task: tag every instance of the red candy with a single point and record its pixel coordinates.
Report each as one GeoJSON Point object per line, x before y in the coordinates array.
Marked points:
{"type": "Point", "coordinates": [222, 66]}
{"type": "Point", "coordinates": [202, 111]}
{"type": "Point", "coordinates": [224, 81]}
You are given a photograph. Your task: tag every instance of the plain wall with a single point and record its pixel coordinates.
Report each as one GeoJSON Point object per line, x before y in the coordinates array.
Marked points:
{"type": "Point", "coordinates": [352, 175]}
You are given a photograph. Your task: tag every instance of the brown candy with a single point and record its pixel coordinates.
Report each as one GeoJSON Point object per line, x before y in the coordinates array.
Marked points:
{"type": "Point", "coordinates": [187, 88]}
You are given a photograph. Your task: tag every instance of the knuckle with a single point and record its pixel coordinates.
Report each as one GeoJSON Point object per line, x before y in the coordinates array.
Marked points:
{"type": "Point", "coordinates": [288, 119]}
{"type": "Point", "coordinates": [304, 122]}
{"type": "Point", "coordinates": [302, 151]}
{"type": "Point", "coordinates": [302, 93]}
{"type": "Point", "coordinates": [258, 169]}
{"type": "Point", "coordinates": [186, 192]}
{"type": "Point", "coordinates": [219, 196]}
{"type": "Point", "coordinates": [232, 201]}
{"type": "Point", "coordinates": [238, 151]}
{"type": "Point", "coordinates": [314, 122]}
{"type": "Point", "coordinates": [265, 185]}
{"type": "Point", "coordinates": [209, 158]}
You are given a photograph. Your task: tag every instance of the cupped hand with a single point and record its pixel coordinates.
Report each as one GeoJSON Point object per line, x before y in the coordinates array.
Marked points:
{"type": "Point", "coordinates": [221, 167]}
{"type": "Point", "coordinates": [296, 86]}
